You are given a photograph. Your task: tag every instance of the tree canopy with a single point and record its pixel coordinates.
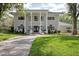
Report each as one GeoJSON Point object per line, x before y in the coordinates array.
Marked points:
{"type": "Point", "coordinates": [73, 10]}
{"type": "Point", "coordinates": [7, 6]}
{"type": "Point", "coordinates": [4, 7]}
{"type": "Point", "coordinates": [65, 18]}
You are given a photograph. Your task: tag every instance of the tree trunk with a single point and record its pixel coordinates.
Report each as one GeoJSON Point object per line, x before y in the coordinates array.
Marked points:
{"type": "Point", "coordinates": [74, 27]}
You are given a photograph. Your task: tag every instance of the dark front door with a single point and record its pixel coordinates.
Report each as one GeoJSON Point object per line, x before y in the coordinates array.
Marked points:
{"type": "Point", "coordinates": [36, 28]}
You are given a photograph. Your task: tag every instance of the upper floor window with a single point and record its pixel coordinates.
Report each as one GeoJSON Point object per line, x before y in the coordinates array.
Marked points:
{"type": "Point", "coordinates": [21, 18]}
{"type": "Point", "coordinates": [51, 18]}
{"type": "Point", "coordinates": [42, 18]}
{"type": "Point", "coordinates": [35, 18]}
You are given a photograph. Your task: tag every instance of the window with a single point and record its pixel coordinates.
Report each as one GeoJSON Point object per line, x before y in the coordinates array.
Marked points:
{"type": "Point", "coordinates": [68, 28]}
{"type": "Point", "coordinates": [42, 18]}
{"type": "Point", "coordinates": [35, 18]}
{"type": "Point", "coordinates": [51, 18]}
{"type": "Point", "coordinates": [21, 18]}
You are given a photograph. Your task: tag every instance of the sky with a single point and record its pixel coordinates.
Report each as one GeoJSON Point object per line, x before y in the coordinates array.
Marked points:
{"type": "Point", "coordinates": [53, 7]}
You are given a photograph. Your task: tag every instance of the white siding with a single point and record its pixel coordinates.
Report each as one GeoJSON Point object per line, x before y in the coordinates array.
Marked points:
{"type": "Point", "coordinates": [53, 22]}
{"type": "Point", "coordinates": [17, 22]}
{"type": "Point", "coordinates": [37, 23]}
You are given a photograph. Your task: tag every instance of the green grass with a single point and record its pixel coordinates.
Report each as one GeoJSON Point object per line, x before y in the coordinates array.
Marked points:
{"type": "Point", "coordinates": [5, 36]}
{"type": "Point", "coordinates": [57, 45]}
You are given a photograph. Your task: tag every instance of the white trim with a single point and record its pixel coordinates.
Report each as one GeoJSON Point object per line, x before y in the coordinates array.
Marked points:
{"type": "Point", "coordinates": [46, 22]}
{"type": "Point", "coordinates": [25, 24]}
{"type": "Point", "coordinates": [40, 23]}
{"type": "Point", "coordinates": [31, 23]}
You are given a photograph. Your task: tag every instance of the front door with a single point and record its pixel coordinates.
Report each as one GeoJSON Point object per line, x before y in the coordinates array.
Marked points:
{"type": "Point", "coordinates": [36, 28]}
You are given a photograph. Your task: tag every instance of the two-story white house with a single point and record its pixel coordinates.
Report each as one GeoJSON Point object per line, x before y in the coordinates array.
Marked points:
{"type": "Point", "coordinates": [38, 21]}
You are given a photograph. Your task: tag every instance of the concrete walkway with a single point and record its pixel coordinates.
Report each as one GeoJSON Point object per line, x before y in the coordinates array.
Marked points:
{"type": "Point", "coordinates": [19, 46]}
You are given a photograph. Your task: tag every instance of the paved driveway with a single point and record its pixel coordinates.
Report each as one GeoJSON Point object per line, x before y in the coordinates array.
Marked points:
{"type": "Point", "coordinates": [19, 46]}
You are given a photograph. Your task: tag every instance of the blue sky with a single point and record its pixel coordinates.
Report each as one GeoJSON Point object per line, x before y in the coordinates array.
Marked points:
{"type": "Point", "coordinates": [57, 7]}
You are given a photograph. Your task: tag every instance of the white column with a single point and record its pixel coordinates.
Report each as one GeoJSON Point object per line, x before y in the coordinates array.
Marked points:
{"type": "Point", "coordinates": [40, 23]}
{"type": "Point", "coordinates": [31, 23]}
{"type": "Point", "coordinates": [46, 22]}
{"type": "Point", "coordinates": [25, 24]}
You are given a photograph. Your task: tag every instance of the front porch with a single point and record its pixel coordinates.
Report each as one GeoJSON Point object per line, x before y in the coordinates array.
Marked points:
{"type": "Point", "coordinates": [36, 22]}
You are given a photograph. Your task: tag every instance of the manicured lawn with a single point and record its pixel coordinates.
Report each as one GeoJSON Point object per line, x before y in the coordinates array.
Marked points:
{"type": "Point", "coordinates": [57, 45]}
{"type": "Point", "coordinates": [6, 36]}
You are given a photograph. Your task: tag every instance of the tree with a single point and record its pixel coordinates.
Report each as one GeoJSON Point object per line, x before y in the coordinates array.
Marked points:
{"type": "Point", "coordinates": [73, 11]}
{"type": "Point", "coordinates": [7, 6]}
{"type": "Point", "coordinates": [4, 7]}
{"type": "Point", "coordinates": [20, 9]}
{"type": "Point", "coordinates": [65, 18]}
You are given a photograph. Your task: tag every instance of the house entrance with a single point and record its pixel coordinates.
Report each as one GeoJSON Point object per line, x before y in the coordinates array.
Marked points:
{"type": "Point", "coordinates": [36, 28]}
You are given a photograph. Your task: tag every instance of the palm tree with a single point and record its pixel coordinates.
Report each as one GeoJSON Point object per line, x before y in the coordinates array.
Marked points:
{"type": "Point", "coordinates": [74, 14]}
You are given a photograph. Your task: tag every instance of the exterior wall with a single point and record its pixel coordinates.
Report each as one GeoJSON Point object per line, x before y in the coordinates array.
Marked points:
{"type": "Point", "coordinates": [62, 28]}
{"type": "Point", "coordinates": [37, 23]}
{"type": "Point", "coordinates": [17, 22]}
{"type": "Point", "coordinates": [53, 22]}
